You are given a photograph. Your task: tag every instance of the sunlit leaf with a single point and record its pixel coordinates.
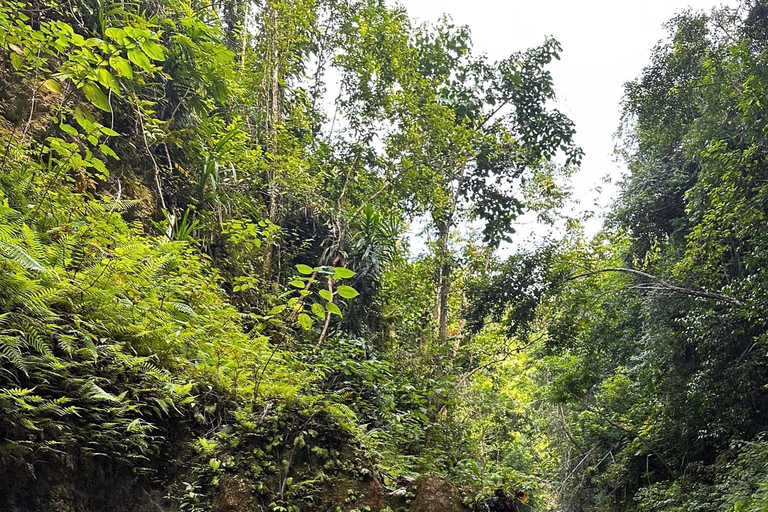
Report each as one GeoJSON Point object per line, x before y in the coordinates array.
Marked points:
{"type": "Point", "coordinates": [347, 292]}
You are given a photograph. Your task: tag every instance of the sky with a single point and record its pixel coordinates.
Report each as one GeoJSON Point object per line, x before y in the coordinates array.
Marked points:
{"type": "Point", "coordinates": [605, 44]}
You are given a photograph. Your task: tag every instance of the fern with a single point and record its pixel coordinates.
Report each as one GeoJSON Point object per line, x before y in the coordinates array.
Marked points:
{"type": "Point", "coordinates": [32, 241]}
{"type": "Point", "coordinates": [182, 308]}
{"type": "Point", "coordinates": [16, 254]}
{"type": "Point", "coordinates": [103, 207]}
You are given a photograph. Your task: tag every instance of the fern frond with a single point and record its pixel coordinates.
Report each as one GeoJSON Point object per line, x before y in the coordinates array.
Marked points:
{"type": "Point", "coordinates": [16, 254]}
{"type": "Point", "coordinates": [32, 241]}
{"type": "Point", "coordinates": [182, 308]}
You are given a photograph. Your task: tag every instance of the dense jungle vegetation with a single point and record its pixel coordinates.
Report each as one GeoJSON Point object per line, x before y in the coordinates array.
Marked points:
{"type": "Point", "coordinates": [208, 301]}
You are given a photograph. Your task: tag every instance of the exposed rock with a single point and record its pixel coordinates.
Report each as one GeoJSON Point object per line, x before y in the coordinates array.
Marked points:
{"type": "Point", "coordinates": [436, 494]}
{"type": "Point", "coordinates": [234, 495]}
{"type": "Point", "coordinates": [348, 493]}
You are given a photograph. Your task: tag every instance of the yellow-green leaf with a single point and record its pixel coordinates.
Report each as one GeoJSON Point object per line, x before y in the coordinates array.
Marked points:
{"type": "Point", "coordinates": [16, 61]}
{"type": "Point", "coordinates": [304, 269]}
{"type": "Point", "coordinates": [108, 80]}
{"type": "Point", "coordinates": [52, 85]}
{"type": "Point", "coordinates": [122, 66]}
{"type": "Point", "coordinates": [96, 96]}
{"type": "Point", "coordinates": [116, 34]}
{"type": "Point", "coordinates": [318, 310]}
{"type": "Point", "coordinates": [333, 308]}
{"type": "Point", "coordinates": [67, 128]}
{"type": "Point", "coordinates": [347, 292]}
{"type": "Point", "coordinates": [305, 321]}
{"type": "Point", "coordinates": [342, 273]}
{"type": "Point", "coordinates": [108, 151]}
{"type": "Point", "coordinates": [153, 50]}
{"type": "Point", "coordinates": [137, 57]}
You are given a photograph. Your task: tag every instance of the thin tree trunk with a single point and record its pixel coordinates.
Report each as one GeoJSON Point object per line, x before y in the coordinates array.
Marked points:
{"type": "Point", "coordinates": [274, 119]}
{"type": "Point", "coordinates": [443, 287]}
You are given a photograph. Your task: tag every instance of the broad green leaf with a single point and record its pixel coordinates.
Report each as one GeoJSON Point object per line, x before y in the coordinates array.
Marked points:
{"type": "Point", "coordinates": [116, 34]}
{"type": "Point", "coordinates": [326, 295]}
{"type": "Point", "coordinates": [342, 273]}
{"type": "Point", "coordinates": [99, 166]}
{"type": "Point", "coordinates": [333, 308]}
{"type": "Point", "coordinates": [153, 50]}
{"type": "Point", "coordinates": [137, 33]}
{"type": "Point", "coordinates": [108, 131]}
{"type": "Point", "coordinates": [122, 66]}
{"type": "Point", "coordinates": [108, 80]}
{"type": "Point", "coordinates": [347, 292]}
{"type": "Point", "coordinates": [318, 310]}
{"type": "Point", "coordinates": [297, 283]}
{"type": "Point", "coordinates": [305, 321]}
{"type": "Point", "coordinates": [68, 128]}
{"type": "Point", "coordinates": [277, 310]}
{"type": "Point", "coordinates": [137, 57]}
{"type": "Point", "coordinates": [16, 61]}
{"type": "Point", "coordinates": [304, 269]}
{"type": "Point", "coordinates": [52, 85]}
{"type": "Point", "coordinates": [108, 151]}
{"type": "Point", "coordinates": [96, 96]}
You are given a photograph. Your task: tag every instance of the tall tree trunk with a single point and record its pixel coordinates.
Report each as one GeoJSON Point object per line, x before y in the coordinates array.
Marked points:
{"type": "Point", "coordinates": [274, 119]}
{"type": "Point", "coordinates": [443, 282]}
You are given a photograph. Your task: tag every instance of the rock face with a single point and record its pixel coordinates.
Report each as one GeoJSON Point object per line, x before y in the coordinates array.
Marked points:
{"type": "Point", "coordinates": [88, 487]}
{"type": "Point", "coordinates": [234, 495]}
{"type": "Point", "coordinates": [436, 494]}
{"type": "Point", "coordinates": [81, 487]}
{"type": "Point", "coordinates": [428, 493]}
{"type": "Point", "coordinates": [347, 494]}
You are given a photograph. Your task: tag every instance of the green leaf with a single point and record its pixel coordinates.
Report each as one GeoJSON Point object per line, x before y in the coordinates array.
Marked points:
{"type": "Point", "coordinates": [99, 166]}
{"type": "Point", "coordinates": [333, 308]}
{"type": "Point", "coordinates": [153, 50]}
{"type": "Point", "coordinates": [305, 321]}
{"type": "Point", "coordinates": [137, 57]}
{"type": "Point", "coordinates": [277, 310]}
{"type": "Point", "coordinates": [116, 34]}
{"type": "Point", "coordinates": [122, 66]}
{"type": "Point", "coordinates": [108, 80]}
{"type": "Point", "coordinates": [108, 151]}
{"type": "Point", "coordinates": [318, 310]}
{"type": "Point", "coordinates": [16, 61]}
{"type": "Point", "coordinates": [96, 96]}
{"type": "Point", "coordinates": [304, 269]}
{"type": "Point", "coordinates": [108, 131]}
{"type": "Point", "coordinates": [342, 273]}
{"type": "Point", "coordinates": [52, 85]}
{"type": "Point", "coordinates": [347, 292]}
{"type": "Point", "coordinates": [326, 295]}
{"type": "Point", "coordinates": [68, 128]}
{"type": "Point", "coordinates": [297, 283]}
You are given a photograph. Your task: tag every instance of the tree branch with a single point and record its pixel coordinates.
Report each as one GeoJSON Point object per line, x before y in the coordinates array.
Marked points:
{"type": "Point", "coordinates": [660, 285]}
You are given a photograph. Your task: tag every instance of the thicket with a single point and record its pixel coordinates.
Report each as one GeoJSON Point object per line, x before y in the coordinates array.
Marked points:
{"type": "Point", "coordinates": [203, 267]}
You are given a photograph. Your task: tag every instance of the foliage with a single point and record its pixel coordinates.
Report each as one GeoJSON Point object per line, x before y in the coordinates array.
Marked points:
{"type": "Point", "coordinates": [204, 274]}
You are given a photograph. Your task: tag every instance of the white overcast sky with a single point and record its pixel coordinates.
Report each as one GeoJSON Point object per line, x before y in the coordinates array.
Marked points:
{"type": "Point", "coordinates": [605, 44]}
